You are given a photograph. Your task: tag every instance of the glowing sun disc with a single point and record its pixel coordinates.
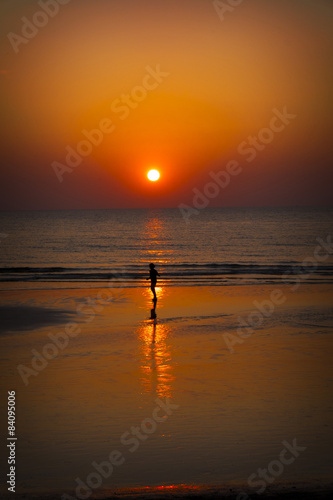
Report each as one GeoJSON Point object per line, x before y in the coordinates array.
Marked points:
{"type": "Point", "coordinates": [153, 175]}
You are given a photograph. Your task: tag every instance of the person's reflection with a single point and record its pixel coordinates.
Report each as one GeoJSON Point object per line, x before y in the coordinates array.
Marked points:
{"type": "Point", "coordinates": [153, 314]}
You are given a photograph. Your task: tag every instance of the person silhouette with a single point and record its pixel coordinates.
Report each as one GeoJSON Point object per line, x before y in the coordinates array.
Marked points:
{"type": "Point", "coordinates": [153, 279]}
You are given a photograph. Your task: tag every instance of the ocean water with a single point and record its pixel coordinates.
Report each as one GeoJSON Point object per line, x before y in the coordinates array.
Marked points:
{"type": "Point", "coordinates": [219, 246]}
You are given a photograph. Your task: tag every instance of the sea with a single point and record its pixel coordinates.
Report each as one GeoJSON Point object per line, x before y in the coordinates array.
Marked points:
{"type": "Point", "coordinates": [216, 246]}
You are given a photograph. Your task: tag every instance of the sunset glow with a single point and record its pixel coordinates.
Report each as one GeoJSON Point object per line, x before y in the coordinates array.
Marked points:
{"type": "Point", "coordinates": [108, 104]}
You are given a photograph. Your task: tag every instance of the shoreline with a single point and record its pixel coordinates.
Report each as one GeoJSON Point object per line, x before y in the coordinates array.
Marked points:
{"type": "Point", "coordinates": [47, 307]}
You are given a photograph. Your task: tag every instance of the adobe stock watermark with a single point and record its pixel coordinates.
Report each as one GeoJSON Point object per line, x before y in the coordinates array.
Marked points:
{"type": "Point", "coordinates": [263, 477]}
{"type": "Point", "coordinates": [132, 440]}
{"type": "Point", "coordinates": [266, 308]}
{"type": "Point", "coordinates": [31, 28]}
{"type": "Point", "coordinates": [225, 7]}
{"type": "Point", "coordinates": [250, 148]}
{"type": "Point", "coordinates": [57, 342]}
{"type": "Point", "coordinates": [122, 106]}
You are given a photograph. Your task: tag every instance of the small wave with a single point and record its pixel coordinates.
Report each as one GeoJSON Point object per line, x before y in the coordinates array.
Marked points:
{"type": "Point", "coordinates": [196, 273]}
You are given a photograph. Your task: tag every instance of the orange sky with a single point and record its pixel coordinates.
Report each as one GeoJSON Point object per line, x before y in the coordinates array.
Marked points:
{"type": "Point", "coordinates": [220, 81]}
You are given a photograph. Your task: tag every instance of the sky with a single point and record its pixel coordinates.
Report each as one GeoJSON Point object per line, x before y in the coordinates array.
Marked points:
{"type": "Point", "coordinates": [101, 91]}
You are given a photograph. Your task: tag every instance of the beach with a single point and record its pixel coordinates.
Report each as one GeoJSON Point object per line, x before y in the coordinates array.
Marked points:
{"type": "Point", "coordinates": [236, 400]}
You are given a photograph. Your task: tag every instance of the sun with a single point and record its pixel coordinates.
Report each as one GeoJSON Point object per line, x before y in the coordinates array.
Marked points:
{"type": "Point", "coordinates": [153, 175]}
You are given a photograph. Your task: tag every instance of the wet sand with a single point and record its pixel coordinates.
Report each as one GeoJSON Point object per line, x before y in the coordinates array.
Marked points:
{"type": "Point", "coordinates": [26, 318]}
{"type": "Point", "coordinates": [234, 409]}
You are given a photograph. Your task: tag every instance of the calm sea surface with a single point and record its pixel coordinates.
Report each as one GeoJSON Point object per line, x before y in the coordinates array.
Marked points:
{"type": "Point", "coordinates": [219, 246]}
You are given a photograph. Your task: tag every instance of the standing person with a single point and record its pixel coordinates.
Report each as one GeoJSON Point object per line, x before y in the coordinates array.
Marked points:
{"type": "Point", "coordinates": [153, 279]}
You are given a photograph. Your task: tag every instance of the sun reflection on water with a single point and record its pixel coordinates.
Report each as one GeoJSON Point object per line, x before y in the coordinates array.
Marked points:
{"type": "Point", "coordinates": [156, 368]}
{"type": "Point", "coordinates": [157, 249]}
